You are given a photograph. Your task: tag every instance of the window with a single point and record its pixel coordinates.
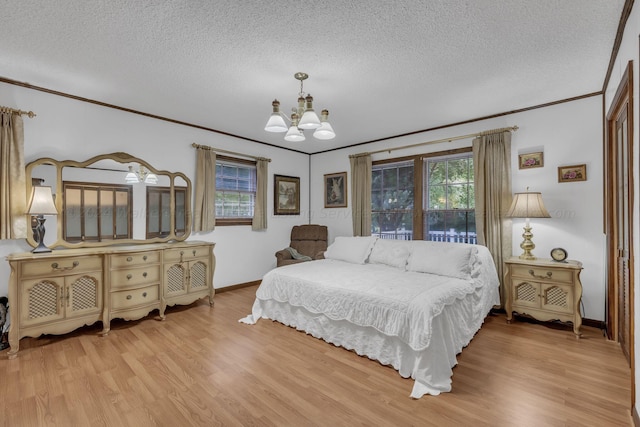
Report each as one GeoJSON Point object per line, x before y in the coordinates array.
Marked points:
{"type": "Point", "coordinates": [392, 200]}
{"type": "Point", "coordinates": [440, 184]}
{"type": "Point", "coordinates": [449, 213]}
{"type": "Point", "coordinates": [235, 191]}
{"type": "Point", "coordinates": [159, 211]}
{"type": "Point", "coordinates": [96, 212]}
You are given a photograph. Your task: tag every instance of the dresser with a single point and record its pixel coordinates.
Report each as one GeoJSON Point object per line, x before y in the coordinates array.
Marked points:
{"type": "Point", "coordinates": [544, 289]}
{"type": "Point", "coordinates": [59, 291]}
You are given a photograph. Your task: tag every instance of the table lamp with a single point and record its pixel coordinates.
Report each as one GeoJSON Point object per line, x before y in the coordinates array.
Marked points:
{"type": "Point", "coordinates": [527, 205]}
{"type": "Point", "coordinates": [41, 204]}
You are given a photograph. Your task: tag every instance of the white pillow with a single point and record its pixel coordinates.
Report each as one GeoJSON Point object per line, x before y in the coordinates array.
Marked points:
{"type": "Point", "coordinates": [351, 249]}
{"type": "Point", "coordinates": [443, 258]}
{"type": "Point", "coordinates": [394, 253]}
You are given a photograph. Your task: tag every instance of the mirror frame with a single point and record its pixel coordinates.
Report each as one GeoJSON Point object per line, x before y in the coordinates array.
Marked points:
{"type": "Point", "coordinates": [119, 157]}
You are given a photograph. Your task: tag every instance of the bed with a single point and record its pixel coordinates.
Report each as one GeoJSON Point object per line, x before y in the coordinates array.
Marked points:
{"type": "Point", "coordinates": [413, 305]}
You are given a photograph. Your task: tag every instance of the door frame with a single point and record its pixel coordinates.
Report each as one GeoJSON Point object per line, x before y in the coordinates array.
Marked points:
{"type": "Point", "coordinates": [622, 99]}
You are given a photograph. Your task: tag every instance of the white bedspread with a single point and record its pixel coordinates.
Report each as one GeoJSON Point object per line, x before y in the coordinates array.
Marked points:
{"type": "Point", "coordinates": [416, 322]}
{"type": "Point", "coordinates": [395, 302]}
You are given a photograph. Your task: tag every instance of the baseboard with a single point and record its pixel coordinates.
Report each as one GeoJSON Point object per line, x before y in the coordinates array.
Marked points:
{"type": "Point", "coordinates": [599, 324]}
{"type": "Point", "coordinates": [634, 416]}
{"type": "Point", "coordinates": [238, 286]}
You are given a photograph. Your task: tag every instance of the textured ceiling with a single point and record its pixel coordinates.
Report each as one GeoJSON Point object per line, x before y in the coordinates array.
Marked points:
{"type": "Point", "coordinates": [382, 68]}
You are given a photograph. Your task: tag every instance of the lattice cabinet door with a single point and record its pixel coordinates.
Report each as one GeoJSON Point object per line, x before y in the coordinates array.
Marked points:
{"type": "Point", "coordinates": [175, 282]}
{"type": "Point", "coordinates": [557, 298]}
{"type": "Point", "coordinates": [526, 294]}
{"type": "Point", "coordinates": [41, 301]}
{"type": "Point", "coordinates": [83, 295]}
{"type": "Point", "coordinates": [198, 276]}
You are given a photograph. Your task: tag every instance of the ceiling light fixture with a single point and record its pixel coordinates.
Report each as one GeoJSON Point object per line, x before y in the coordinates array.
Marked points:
{"type": "Point", "coordinates": [302, 118]}
{"type": "Point", "coordinates": [141, 175]}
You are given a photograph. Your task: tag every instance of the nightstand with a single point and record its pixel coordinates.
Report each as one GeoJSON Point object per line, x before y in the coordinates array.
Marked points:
{"type": "Point", "coordinates": [544, 289]}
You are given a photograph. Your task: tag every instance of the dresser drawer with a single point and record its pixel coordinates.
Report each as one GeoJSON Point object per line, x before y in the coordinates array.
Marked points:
{"type": "Point", "coordinates": [135, 259]}
{"type": "Point", "coordinates": [186, 253]}
{"type": "Point", "coordinates": [135, 276]}
{"type": "Point", "coordinates": [134, 297]}
{"type": "Point", "coordinates": [541, 273]}
{"type": "Point", "coordinates": [63, 266]}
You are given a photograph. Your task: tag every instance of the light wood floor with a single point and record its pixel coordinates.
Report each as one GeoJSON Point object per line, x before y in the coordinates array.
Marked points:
{"type": "Point", "coordinates": [201, 367]}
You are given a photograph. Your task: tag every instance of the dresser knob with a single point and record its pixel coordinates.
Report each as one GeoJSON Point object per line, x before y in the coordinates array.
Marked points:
{"type": "Point", "coordinates": [144, 258]}
{"type": "Point", "coordinates": [128, 296]}
{"type": "Point", "coordinates": [144, 294]}
{"type": "Point", "coordinates": [129, 259]}
{"type": "Point", "coordinates": [129, 276]}
{"type": "Point", "coordinates": [144, 274]}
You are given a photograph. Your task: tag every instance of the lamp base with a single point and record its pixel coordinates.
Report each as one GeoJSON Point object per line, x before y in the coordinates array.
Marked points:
{"type": "Point", "coordinates": [39, 236]}
{"type": "Point", "coordinates": [527, 245]}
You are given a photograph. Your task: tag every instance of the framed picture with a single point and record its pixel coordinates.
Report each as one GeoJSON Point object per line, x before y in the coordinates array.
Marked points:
{"type": "Point", "coordinates": [286, 195]}
{"type": "Point", "coordinates": [572, 173]}
{"type": "Point", "coordinates": [335, 190]}
{"type": "Point", "coordinates": [531, 160]}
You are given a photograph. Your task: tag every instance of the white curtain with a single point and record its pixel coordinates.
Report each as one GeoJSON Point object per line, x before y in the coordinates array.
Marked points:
{"type": "Point", "coordinates": [204, 215]}
{"type": "Point", "coordinates": [492, 177]}
{"type": "Point", "coordinates": [13, 197]}
{"type": "Point", "coordinates": [361, 194]}
{"type": "Point", "coordinates": [260, 209]}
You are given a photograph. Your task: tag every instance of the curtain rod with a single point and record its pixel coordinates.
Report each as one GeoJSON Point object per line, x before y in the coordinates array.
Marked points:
{"type": "Point", "coordinates": [206, 147]}
{"type": "Point", "coordinates": [31, 114]}
{"type": "Point", "coordinates": [454, 138]}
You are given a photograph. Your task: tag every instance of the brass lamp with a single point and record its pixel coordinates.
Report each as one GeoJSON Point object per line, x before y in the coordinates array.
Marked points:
{"type": "Point", "coordinates": [41, 204]}
{"type": "Point", "coordinates": [527, 205]}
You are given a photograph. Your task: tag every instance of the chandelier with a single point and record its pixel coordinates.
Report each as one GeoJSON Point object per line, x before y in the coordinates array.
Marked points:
{"type": "Point", "coordinates": [302, 118]}
{"type": "Point", "coordinates": [141, 175]}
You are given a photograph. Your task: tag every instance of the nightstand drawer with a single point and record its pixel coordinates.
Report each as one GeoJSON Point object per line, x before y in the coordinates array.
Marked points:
{"type": "Point", "coordinates": [134, 297]}
{"type": "Point", "coordinates": [542, 273]}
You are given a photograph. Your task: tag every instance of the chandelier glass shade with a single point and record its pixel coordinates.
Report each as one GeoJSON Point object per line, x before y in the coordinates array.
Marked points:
{"type": "Point", "coordinates": [141, 175]}
{"type": "Point", "coordinates": [302, 118]}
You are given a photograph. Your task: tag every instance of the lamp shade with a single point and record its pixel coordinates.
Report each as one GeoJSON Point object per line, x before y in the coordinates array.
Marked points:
{"type": "Point", "coordinates": [527, 205]}
{"type": "Point", "coordinates": [294, 134]}
{"type": "Point", "coordinates": [276, 123]}
{"type": "Point", "coordinates": [325, 131]}
{"type": "Point", "coordinates": [42, 202]}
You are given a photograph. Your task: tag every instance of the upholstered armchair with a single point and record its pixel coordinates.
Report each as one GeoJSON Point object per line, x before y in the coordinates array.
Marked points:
{"type": "Point", "coordinates": [307, 241]}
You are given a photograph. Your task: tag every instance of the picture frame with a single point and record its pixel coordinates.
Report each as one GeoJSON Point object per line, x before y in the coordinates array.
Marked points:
{"type": "Point", "coordinates": [286, 195]}
{"type": "Point", "coordinates": [572, 173]}
{"type": "Point", "coordinates": [335, 190]}
{"type": "Point", "coordinates": [531, 160]}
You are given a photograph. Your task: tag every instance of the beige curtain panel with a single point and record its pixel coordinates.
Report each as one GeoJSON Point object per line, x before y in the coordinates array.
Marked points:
{"type": "Point", "coordinates": [204, 215]}
{"type": "Point", "coordinates": [492, 177]}
{"type": "Point", "coordinates": [361, 194]}
{"type": "Point", "coordinates": [13, 197]}
{"type": "Point", "coordinates": [260, 209]}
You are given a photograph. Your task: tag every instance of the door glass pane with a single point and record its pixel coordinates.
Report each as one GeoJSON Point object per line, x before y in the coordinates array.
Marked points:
{"type": "Point", "coordinates": [122, 213]}
{"type": "Point", "coordinates": [90, 215]}
{"type": "Point", "coordinates": [106, 214]}
{"type": "Point", "coordinates": [165, 212]}
{"type": "Point", "coordinates": [72, 214]}
{"type": "Point", "coordinates": [180, 212]}
{"type": "Point", "coordinates": [153, 214]}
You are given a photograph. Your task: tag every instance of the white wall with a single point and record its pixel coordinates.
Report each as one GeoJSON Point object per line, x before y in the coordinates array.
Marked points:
{"type": "Point", "coordinates": [629, 52]}
{"type": "Point", "coordinates": [66, 129]}
{"type": "Point", "coordinates": [568, 133]}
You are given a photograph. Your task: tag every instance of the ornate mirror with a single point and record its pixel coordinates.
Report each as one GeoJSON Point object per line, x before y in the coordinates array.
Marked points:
{"type": "Point", "coordinates": [112, 199]}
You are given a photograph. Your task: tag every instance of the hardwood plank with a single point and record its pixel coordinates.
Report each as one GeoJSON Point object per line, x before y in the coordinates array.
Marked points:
{"type": "Point", "coordinates": [201, 367]}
